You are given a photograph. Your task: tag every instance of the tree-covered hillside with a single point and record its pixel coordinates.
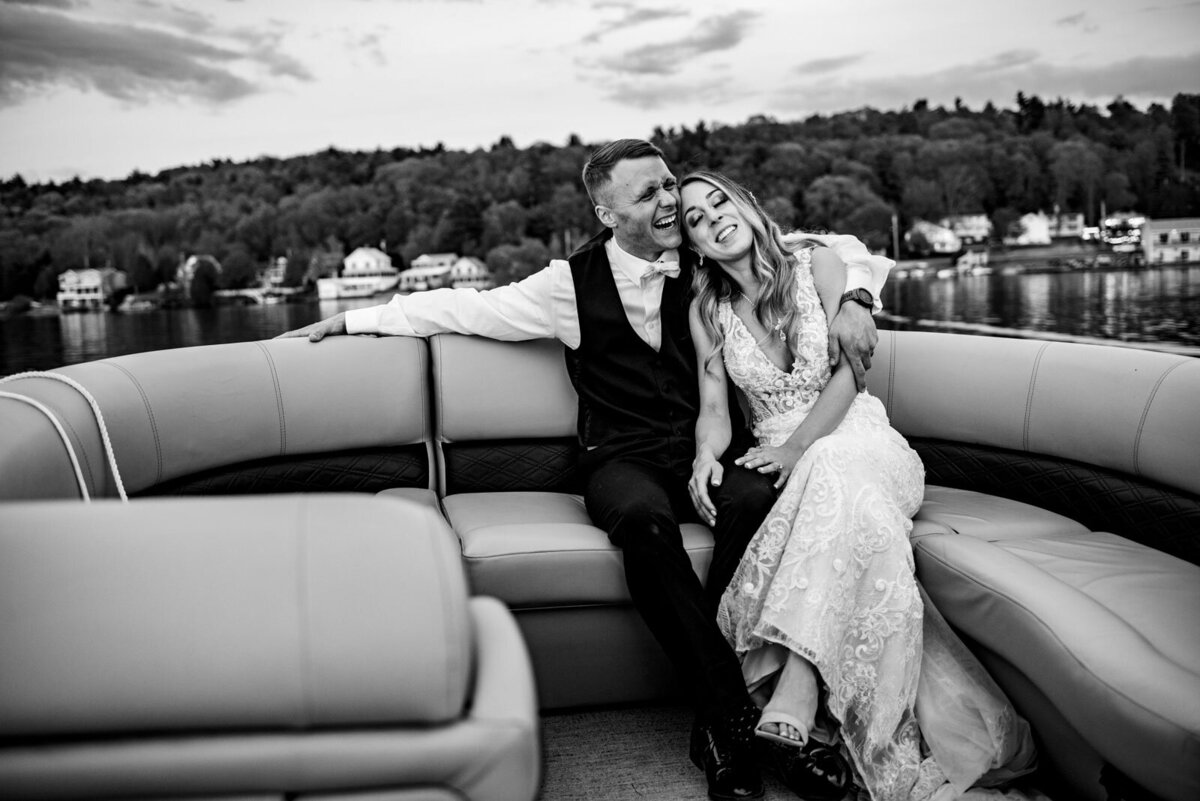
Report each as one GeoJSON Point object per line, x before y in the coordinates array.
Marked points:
{"type": "Point", "coordinates": [515, 208]}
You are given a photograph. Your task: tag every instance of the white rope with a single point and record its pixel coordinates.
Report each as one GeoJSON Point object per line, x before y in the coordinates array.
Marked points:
{"type": "Point", "coordinates": [83, 490]}
{"type": "Point", "coordinates": [104, 437]}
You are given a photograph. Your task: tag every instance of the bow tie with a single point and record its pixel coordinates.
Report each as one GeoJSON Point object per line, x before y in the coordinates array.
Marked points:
{"type": "Point", "coordinates": [668, 268]}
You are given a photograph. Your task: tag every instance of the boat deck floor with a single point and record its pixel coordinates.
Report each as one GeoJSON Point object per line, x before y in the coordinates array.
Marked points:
{"type": "Point", "coordinates": [635, 752]}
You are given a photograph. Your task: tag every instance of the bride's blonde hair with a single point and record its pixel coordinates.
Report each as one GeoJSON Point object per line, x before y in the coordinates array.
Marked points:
{"type": "Point", "coordinates": [770, 261]}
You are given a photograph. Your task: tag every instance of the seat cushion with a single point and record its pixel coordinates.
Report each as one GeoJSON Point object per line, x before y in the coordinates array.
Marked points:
{"type": "Point", "coordinates": [536, 549]}
{"type": "Point", "coordinates": [1105, 627]}
{"type": "Point", "coordinates": [425, 497]}
{"type": "Point", "coordinates": [491, 751]}
{"type": "Point", "coordinates": [990, 517]}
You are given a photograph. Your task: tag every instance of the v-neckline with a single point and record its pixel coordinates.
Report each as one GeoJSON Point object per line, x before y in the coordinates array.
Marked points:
{"type": "Point", "coordinates": [758, 346]}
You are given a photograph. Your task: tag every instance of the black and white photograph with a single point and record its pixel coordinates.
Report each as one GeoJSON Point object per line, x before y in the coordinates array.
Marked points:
{"type": "Point", "coordinates": [599, 400]}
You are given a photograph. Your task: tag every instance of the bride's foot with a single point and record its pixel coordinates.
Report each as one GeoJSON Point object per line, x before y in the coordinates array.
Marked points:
{"type": "Point", "coordinates": [808, 768]}
{"type": "Point", "coordinates": [790, 713]}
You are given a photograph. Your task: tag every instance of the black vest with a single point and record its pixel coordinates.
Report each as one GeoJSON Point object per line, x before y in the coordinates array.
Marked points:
{"type": "Point", "coordinates": [633, 402]}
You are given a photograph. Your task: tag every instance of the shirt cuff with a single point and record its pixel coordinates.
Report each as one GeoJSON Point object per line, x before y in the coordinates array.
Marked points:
{"type": "Point", "coordinates": [864, 270]}
{"type": "Point", "coordinates": [387, 319]}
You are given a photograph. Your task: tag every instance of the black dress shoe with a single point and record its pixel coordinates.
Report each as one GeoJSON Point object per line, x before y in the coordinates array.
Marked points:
{"type": "Point", "coordinates": [814, 771]}
{"type": "Point", "coordinates": [728, 764]}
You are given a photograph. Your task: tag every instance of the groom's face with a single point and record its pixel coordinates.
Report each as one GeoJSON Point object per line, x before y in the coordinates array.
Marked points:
{"type": "Point", "coordinates": [642, 207]}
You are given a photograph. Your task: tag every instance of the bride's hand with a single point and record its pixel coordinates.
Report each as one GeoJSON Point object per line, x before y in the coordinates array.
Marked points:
{"type": "Point", "coordinates": [769, 459]}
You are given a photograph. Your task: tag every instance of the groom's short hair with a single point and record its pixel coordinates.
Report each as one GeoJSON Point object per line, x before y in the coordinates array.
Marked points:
{"type": "Point", "coordinates": [598, 170]}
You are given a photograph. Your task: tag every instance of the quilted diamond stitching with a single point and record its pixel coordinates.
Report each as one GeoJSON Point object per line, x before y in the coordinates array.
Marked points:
{"type": "Point", "coordinates": [1102, 500]}
{"type": "Point", "coordinates": [511, 466]}
{"type": "Point", "coordinates": [359, 471]}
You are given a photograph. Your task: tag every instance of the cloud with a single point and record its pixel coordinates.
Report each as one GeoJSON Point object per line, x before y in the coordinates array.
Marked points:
{"type": "Point", "coordinates": [632, 16]}
{"type": "Point", "coordinates": [998, 79]}
{"type": "Point", "coordinates": [1005, 60]}
{"type": "Point", "coordinates": [64, 4]}
{"type": "Point", "coordinates": [667, 58]}
{"type": "Point", "coordinates": [43, 49]}
{"type": "Point", "coordinates": [371, 45]}
{"type": "Point", "coordinates": [658, 94]}
{"type": "Point", "coordinates": [819, 66]}
{"type": "Point", "coordinates": [1077, 21]}
{"type": "Point", "coordinates": [1156, 9]}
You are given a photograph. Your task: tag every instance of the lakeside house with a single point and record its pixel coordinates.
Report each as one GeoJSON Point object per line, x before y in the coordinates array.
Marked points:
{"type": "Point", "coordinates": [427, 271]}
{"type": "Point", "coordinates": [971, 229]}
{"type": "Point", "coordinates": [1035, 228]}
{"type": "Point", "coordinates": [275, 275]}
{"type": "Point", "coordinates": [1171, 241]}
{"type": "Point", "coordinates": [89, 288]}
{"type": "Point", "coordinates": [470, 272]}
{"type": "Point", "coordinates": [927, 238]}
{"type": "Point", "coordinates": [435, 270]}
{"type": "Point", "coordinates": [365, 272]}
{"type": "Point", "coordinates": [1067, 225]}
{"type": "Point", "coordinates": [1030, 229]}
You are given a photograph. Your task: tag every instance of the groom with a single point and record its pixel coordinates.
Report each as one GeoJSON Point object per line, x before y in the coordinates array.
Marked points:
{"type": "Point", "coordinates": [619, 304]}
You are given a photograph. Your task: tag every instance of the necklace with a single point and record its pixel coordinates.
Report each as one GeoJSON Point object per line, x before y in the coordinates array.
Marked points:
{"type": "Point", "coordinates": [775, 328]}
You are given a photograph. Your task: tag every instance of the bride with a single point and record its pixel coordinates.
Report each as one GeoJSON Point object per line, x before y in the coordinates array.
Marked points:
{"type": "Point", "coordinates": [838, 646]}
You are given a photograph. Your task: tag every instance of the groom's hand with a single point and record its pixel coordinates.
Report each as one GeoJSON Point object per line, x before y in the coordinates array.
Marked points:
{"type": "Point", "coordinates": [330, 326]}
{"type": "Point", "coordinates": [706, 471]}
{"type": "Point", "coordinates": [853, 333]}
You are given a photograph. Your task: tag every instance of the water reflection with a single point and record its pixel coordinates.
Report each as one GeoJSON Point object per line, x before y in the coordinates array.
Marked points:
{"type": "Point", "coordinates": [1155, 305]}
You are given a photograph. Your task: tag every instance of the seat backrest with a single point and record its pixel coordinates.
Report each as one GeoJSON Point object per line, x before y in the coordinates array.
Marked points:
{"type": "Point", "coordinates": [1130, 410]}
{"type": "Point", "coordinates": [1106, 435]}
{"type": "Point", "coordinates": [505, 415]}
{"type": "Point", "coordinates": [223, 614]}
{"type": "Point", "coordinates": [269, 416]}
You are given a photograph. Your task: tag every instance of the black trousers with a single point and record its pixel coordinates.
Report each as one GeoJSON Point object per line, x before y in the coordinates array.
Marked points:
{"type": "Point", "coordinates": [641, 507]}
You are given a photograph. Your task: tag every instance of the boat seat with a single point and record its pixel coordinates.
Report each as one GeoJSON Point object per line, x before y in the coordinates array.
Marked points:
{"type": "Point", "coordinates": [266, 646]}
{"type": "Point", "coordinates": [277, 416]}
{"type": "Point", "coordinates": [1050, 613]}
{"type": "Point", "coordinates": [509, 492]}
{"type": "Point", "coordinates": [987, 517]}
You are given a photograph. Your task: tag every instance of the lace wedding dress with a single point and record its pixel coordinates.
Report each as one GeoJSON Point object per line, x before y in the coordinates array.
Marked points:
{"type": "Point", "coordinates": [829, 575]}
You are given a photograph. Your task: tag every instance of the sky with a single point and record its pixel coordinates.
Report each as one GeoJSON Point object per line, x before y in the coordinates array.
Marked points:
{"type": "Point", "coordinates": [101, 88]}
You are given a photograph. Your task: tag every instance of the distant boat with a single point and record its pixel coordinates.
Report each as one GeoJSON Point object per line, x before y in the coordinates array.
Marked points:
{"type": "Point", "coordinates": [973, 262]}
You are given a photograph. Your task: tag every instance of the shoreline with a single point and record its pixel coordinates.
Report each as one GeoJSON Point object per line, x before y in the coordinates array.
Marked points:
{"type": "Point", "coordinates": [983, 329]}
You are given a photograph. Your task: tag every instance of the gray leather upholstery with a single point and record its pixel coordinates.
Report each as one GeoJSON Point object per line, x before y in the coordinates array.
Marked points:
{"type": "Point", "coordinates": [1096, 637]}
{"type": "Point", "coordinates": [1126, 411]}
{"type": "Point", "coordinates": [279, 644]}
{"type": "Point", "coordinates": [1034, 590]}
{"type": "Point", "coordinates": [171, 413]}
{"type": "Point", "coordinates": [987, 517]}
{"type": "Point", "coordinates": [1121, 408]}
{"type": "Point", "coordinates": [1106, 629]}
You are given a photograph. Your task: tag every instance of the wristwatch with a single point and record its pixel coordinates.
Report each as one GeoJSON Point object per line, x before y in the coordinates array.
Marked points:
{"type": "Point", "coordinates": [860, 296]}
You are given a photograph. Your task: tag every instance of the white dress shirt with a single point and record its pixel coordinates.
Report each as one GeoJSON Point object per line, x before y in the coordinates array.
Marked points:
{"type": "Point", "coordinates": [543, 305]}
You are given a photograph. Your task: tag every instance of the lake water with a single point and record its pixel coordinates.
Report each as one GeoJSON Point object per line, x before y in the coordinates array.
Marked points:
{"type": "Point", "coordinates": [1157, 308]}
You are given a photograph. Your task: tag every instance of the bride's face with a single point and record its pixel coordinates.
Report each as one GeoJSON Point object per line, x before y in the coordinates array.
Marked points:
{"type": "Point", "coordinates": [713, 223]}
